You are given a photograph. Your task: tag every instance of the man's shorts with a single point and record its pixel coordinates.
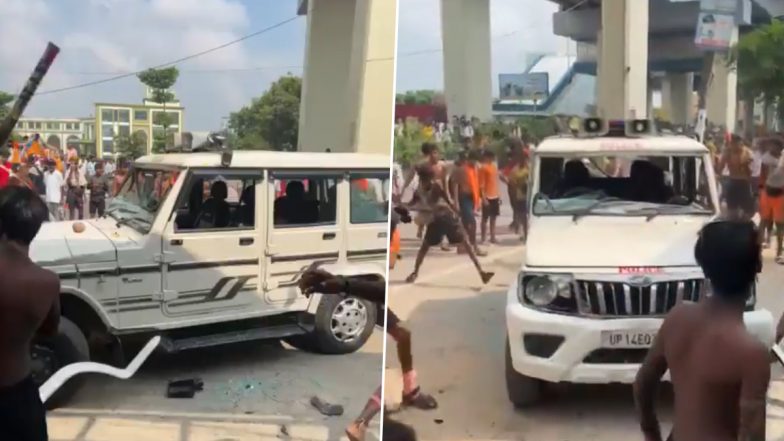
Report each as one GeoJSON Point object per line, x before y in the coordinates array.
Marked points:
{"type": "Point", "coordinates": [467, 209]}
{"type": "Point", "coordinates": [737, 193]}
{"type": "Point", "coordinates": [22, 414]}
{"type": "Point", "coordinates": [492, 208]}
{"type": "Point", "coordinates": [443, 225]}
{"type": "Point", "coordinates": [771, 207]}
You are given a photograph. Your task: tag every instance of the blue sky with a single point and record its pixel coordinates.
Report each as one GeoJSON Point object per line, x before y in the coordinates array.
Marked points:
{"type": "Point", "coordinates": [103, 37]}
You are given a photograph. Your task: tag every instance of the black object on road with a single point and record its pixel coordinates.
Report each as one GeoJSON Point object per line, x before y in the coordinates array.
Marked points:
{"type": "Point", "coordinates": [326, 408]}
{"type": "Point", "coordinates": [184, 388]}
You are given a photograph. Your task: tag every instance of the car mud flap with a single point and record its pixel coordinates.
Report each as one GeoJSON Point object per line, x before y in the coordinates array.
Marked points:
{"type": "Point", "coordinates": [88, 367]}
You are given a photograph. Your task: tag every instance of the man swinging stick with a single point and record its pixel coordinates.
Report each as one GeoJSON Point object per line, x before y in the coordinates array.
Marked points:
{"type": "Point", "coordinates": [320, 281]}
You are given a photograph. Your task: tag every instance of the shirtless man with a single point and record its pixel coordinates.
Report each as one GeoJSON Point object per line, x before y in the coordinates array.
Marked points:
{"type": "Point", "coordinates": [29, 306]}
{"type": "Point", "coordinates": [441, 217]}
{"type": "Point", "coordinates": [375, 291]}
{"type": "Point", "coordinates": [719, 371]}
{"type": "Point", "coordinates": [432, 157]}
{"type": "Point", "coordinates": [738, 194]}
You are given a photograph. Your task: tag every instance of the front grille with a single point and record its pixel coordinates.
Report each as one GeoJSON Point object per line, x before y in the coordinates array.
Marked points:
{"type": "Point", "coordinates": [616, 356]}
{"type": "Point", "coordinates": [623, 299]}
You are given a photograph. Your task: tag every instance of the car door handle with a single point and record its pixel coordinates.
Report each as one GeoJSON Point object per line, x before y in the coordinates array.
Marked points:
{"type": "Point", "coordinates": [175, 242]}
{"type": "Point", "coordinates": [132, 279]}
{"type": "Point", "coordinates": [328, 236]}
{"type": "Point", "coordinates": [382, 235]}
{"type": "Point", "coordinates": [245, 241]}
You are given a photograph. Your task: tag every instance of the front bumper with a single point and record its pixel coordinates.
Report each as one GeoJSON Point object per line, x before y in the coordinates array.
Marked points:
{"type": "Point", "coordinates": [580, 356]}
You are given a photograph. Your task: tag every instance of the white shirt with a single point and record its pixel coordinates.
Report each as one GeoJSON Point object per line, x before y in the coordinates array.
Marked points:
{"type": "Point", "coordinates": [756, 164]}
{"type": "Point", "coordinates": [468, 131]}
{"type": "Point", "coordinates": [54, 186]}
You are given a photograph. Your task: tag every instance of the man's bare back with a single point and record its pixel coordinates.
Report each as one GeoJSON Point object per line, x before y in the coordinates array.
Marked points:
{"type": "Point", "coordinates": [718, 370]}
{"type": "Point", "coordinates": [29, 306]}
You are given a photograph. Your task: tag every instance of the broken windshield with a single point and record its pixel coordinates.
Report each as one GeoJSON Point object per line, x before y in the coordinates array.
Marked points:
{"type": "Point", "coordinates": [631, 185]}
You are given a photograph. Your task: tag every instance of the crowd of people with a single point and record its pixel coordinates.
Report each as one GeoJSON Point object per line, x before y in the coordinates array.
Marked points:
{"type": "Point", "coordinates": [719, 394]}
{"type": "Point", "coordinates": [72, 186]}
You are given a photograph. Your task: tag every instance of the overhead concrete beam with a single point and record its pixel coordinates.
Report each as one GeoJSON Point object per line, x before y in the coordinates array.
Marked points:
{"type": "Point", "coordinates": [664, 18]}
{"type": "Point", "coordinates": [662, 48]}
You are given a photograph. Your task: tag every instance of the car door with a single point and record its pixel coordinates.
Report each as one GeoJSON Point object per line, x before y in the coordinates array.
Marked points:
{"type": "Point", "coordinates": [304, 227]}
{"type": "Point", "coordinates": [368, 215]}
{"type": "Point", "coordinates": [212, 247]}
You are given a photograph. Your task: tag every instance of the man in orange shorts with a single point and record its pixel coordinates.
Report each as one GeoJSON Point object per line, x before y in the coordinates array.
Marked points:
{"type": "Point", "coordinates": [772, 208]}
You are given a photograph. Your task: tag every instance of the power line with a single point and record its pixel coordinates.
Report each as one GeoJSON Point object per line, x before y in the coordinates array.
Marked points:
{"type": "Point", "coordinates": [122, 75]}
{"type": "Point", "coordinates": [197, 71]}
{"type": "Point", "coordinates": [171, 63]}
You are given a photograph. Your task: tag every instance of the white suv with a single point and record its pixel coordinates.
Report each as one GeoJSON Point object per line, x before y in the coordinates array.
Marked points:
{"type": "Point", "coordinates": [613, 223]}
{"type": "Point", "coordinates": [207, 248]}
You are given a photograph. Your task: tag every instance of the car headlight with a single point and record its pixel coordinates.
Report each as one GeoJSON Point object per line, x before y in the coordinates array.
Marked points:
{"type": "Point", "coordinates": [543, 290]}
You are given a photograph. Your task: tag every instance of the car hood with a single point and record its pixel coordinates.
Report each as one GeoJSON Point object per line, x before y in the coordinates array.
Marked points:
{"type": "Point", "coordinates": [606, 241]}
{"type": "Point", "coordinates": [58, 244]}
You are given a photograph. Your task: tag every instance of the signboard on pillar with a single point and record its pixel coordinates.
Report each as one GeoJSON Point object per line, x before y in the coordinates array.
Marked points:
{"type": "Point", "coordinates": [529, 86]}
{"type": "Point", "coordinates": [714, 31]}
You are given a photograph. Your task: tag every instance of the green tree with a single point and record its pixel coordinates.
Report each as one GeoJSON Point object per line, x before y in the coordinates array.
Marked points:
{"type": "Point", "coordinates": [160, 81]}
{"type": "Point", "coordinates": [5, 100]}
{"type": "Point", "coordinates": [419, 97]}
{"type": "Point", "coordinates": [271, 121]}
{"type": "Point", "coordinates": [759, 59]}
{"type": "Point", "coordinates": [130, 146]}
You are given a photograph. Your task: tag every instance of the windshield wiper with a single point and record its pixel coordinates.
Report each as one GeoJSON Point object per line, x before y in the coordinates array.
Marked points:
{"type": "Point", "coordinates": [656, 211]}
{"type": "Point", "coordinates": [127, 220]}
{"type": "Point", "coordinates": [577, 215]}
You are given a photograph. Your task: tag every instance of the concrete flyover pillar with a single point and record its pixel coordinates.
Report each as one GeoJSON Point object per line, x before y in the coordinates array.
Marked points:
{"type": "Point", "coordinates": [722, 98]}
{"type": "Point", "coordinates": [372, 79]}
{"type": "Point", "coordinates": [468, 82]}
{"type": "Point", "coordinates": [622, 71]}
{"type": "Point", "coordinates": [347, 92]}
{"type": "Point", "coordinates": [678, 97]}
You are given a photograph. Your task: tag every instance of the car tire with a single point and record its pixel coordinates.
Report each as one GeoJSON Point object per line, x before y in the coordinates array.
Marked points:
{"type": "Point", "coordinates": [67, 347]}
{"type": "Point", "coordinates": [522, 391]}
{"type": "Point", "coordinates": [326, 340]}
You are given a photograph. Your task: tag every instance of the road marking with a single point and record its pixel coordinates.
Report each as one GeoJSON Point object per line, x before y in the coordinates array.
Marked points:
{"type": "Point", "coordinates": [455, 268]}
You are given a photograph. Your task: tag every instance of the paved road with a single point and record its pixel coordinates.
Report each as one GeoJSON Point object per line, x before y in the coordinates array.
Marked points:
{"type": "Point", "coordinates": [251, 392]}
{"type": "Point", "coordinates": [458, 331]}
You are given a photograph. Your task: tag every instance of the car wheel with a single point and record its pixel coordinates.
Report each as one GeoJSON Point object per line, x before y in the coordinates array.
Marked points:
{"type": "Point", "coordinates": [522, 391]}
{"type": "Point", "coordinates": [52, 353]}
{"type": "Point", "coordinates": [342, 324]}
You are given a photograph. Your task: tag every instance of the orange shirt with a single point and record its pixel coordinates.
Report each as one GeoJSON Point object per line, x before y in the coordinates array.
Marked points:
{"type": "Point", "coordinates": [16, 157]}
{"type": "Point", "coordinates": [473, 181]}
{"type": "Point", "coordinates": [488, 180]}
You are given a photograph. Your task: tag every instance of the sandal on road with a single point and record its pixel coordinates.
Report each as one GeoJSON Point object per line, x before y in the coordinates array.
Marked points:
{"type": "Point", "coordinates": [419, 400]}
{"type": "Point", "coordinates": [412, 278]}
{"type": "Point", "coordinates": [486, 276]}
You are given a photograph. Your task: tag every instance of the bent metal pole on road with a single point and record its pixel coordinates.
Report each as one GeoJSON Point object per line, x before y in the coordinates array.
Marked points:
{"type": "Point", "coordinates": [7, 126]}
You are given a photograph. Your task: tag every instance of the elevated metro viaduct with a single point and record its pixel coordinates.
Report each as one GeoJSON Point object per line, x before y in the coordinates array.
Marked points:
{"type": "Point", "coordinates": [610, 46]}
{"type": "Point", "coordinates": [347, 90]}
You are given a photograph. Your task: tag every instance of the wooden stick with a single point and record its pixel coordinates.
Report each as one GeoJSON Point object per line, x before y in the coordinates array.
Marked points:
{"type": "Point", "coordinates": [7, 126]}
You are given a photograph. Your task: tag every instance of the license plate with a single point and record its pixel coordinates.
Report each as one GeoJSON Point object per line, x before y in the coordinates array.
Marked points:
{"type": "Point", "coordinates": [627, 339]}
